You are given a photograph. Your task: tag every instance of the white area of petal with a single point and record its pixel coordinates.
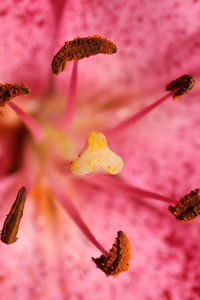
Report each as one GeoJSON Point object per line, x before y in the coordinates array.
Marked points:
{"type": "Point", "coordinates": [96, 157]}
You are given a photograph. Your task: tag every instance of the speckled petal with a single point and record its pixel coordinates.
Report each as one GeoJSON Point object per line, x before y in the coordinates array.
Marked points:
{"type": "Point", "coordinates": [161, 152]}
{"type": "Point", "coordinates": [156, 41]}
{"type": "Point", "coordinates": [164, 251]}
{"type": "Point", "coordinates": [58, 261]}
{"type": "Point", "coordinates": [25, 49]}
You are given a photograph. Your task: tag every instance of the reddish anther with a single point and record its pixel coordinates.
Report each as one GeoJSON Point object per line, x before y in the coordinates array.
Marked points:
{"type": "Point", "coordinates": [9, 91]}
{"type": "Point", "coordinates": [181, 86]}
{"type": "Point", "coordinates": [188, 208]}
{"type": "Point", "coordinates": [118, 257]}
{"type": "Point", "coordinates": [80, 48]}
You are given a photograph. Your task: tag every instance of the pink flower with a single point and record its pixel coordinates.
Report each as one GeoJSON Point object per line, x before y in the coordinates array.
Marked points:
{"type": "Point", "coordinates": [157, 41]}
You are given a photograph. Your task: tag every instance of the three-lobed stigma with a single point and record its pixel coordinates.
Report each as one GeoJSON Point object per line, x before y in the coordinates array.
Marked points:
{"type": "Point", "coordinates": [118, 258]}
{"type": "Point", "coordinates": [80, 48]}
{"type": "Point", "coordinates": [9, 91]}
{"type": "Point", "coordinates": [188, 207]}
{"type": "Point", "coordinates": [96, 157]}
{"type": "Point", "coordinates": [181, 86]}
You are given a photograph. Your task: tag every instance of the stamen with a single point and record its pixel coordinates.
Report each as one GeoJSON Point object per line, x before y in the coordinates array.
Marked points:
{"type": "Point", "coordinates": [12, 221]}
{"type": "Point", "coordinates": [118, 257]}
{"type": "Point", "coordinates": [74, 214]}
{"type": "Point", "coordinates": [96, 157]}
{"type": "Point", "coordinates": [70, 106]}
{"type": "Point", "coordinates": [80, 48]}
{"type": "Point", "coordinates": [188, 207]}
{"type": "Point", "coordinates": [118, 184]}
{"type": "Point", "coordinates": [138, 116]}
{"type": "Point", "coordinates": [9, 91]}
{"type": "Point", "coordinates": [181, 86]}
{"type": "Point", "coordinates": [177, 87]}
{"type": "Point", "coordinates": [30, 123]}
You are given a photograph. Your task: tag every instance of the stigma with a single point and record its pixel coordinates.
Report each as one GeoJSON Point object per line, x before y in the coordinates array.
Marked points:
{"type": "Point", "coordinates": [118, 258]}
{"type": "Point", "coordinates": [96, 157]}
{"type": "Point", "coordinates": [188, 207]}
{"type": "Point", "coordinates": [80, 48]}
{"type": "Point", "coordinates": [181, 86]}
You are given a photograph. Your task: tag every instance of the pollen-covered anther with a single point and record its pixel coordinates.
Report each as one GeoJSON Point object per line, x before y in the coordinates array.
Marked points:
{"type": "Point", "coordinates": [118, 257]}
{"type": "Point", "coordinates": [9, 91]}
{"type": "Point", "coordinates": [181, 86]}
{"type": "Point", "coordinates": [80, 48]}
{"type": "Point", "coordinates": [12, 221]}
{"type": "Point", "coordinates": [96, 157]}
{"type": "Point", "coordinates": [188, 207]}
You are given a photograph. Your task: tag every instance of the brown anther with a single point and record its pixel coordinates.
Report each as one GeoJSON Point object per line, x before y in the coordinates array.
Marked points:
{"type": "Point", "coordinates": [80, 48]}
{"type": "Point", "coordinates": [12, 221]}
{"type": "Point", "coordinates": [181, 86]}
{"type": "Point", "coordinates": [9, 91]}
{"type": "Point", "coordinates": [118, 257]}
{"type": "Point", "coordinates": [188, 207]}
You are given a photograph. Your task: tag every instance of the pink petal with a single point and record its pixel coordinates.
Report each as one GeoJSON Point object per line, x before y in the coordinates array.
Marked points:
{"type": "Point", "coordinates": [57, 262]}
{"type": "Point", "coordinates": [156, 41]}
{"type": "Point", "coordinates": [51, 260]}
{"type": "Point", "coordinates": [26, 51]}
{"type": "Point", "coordinates": [164, 251]}
{"type": "Point", "coordinates": [162, 151]}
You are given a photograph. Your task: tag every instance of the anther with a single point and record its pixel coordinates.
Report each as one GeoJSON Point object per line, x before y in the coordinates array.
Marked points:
{"type": "Point", "coordinates": [9, 91]}
{"type": "Point", "coordinates": [96, 157]}
{"type": "Point", "coordinates": [181, 86]}
{"type": "Point", "coordinates": [80, 48]}
{"type": "Point", "coordinates": [12, 221]}
{"type": "Point", "coordinates": [118, 257]}
{"type": "Point", "coordinates": [188, 207]}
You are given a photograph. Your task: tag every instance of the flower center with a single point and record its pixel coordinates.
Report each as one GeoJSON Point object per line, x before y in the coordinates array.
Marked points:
{"type": "Point", "coordinates": [54, 145]}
